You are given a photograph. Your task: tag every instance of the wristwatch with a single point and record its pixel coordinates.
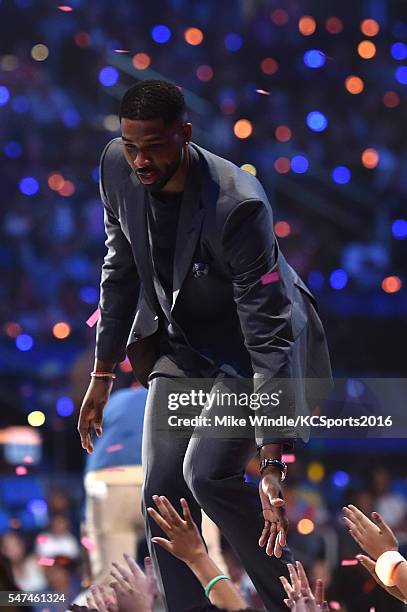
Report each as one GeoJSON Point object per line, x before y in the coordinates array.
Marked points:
{"type": "Point", "coordinates": [279, 464]}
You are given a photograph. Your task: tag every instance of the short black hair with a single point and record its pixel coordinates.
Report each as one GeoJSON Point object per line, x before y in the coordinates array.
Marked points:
{"type": "Point", "coordinates": [153, 99]}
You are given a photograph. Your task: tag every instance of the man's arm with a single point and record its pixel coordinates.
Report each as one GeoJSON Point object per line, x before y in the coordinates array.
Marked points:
{"type": "Point", "coordinates": [263, 306]}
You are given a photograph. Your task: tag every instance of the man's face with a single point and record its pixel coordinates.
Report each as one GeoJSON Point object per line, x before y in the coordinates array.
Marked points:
{"type": "Point", "coordinates": [153, 150]}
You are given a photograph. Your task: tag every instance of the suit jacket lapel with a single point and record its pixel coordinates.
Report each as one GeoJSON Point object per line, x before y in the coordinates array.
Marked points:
{"type": "Point", "coordinates": [137, 221]}
{"type": "Point", "coordinates": [189, 224]}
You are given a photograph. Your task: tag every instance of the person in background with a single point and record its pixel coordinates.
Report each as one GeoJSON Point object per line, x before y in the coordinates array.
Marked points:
{"type": "Point", "coordinates": [28, 575]}
{"type": "Point", "coordinates": [58, 541]}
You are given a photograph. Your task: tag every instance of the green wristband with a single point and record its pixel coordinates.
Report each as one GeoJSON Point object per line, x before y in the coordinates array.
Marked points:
{"type": "Point", "coordinates": [212, 583]}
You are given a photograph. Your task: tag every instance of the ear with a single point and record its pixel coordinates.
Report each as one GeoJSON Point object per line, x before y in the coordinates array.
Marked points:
{"type": "Point", "coordinates": [187, 132]}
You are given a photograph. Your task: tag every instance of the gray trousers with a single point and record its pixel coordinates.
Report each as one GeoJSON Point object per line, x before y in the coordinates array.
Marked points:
{"type": "Point", "coordinates": [209, 473]}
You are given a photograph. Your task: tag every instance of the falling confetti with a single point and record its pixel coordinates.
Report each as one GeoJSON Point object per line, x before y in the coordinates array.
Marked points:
{"type": "Point", "coordinates": [88, 544]}
{"type": "Point", "coordinates": [46, 561]}
{"type": "Point", "coordinates": [94, 318]}
{"type": "Point", "coordinates": [113, 448]}
{"type": "Point", "coordinates": [28, 459]}
{"type": "Point", "coordinates": [42, 539]}
{"type": "Point", "coordinates": [65, 8]}
{"type": "Point", "coordinates": [121, 51]}
{"type": "Point", "coordinates": [21, 470]}
{"type": "Point", "coordinates": [271, 277]}
{"type": "Point", "coordinates": [288, 458]}
{"type": "Point", "coordinates": [263, 92]}
{"type": "Point", "coordinates": [348, 562]}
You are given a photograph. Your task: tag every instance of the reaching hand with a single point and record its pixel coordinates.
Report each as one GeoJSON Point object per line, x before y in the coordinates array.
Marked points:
{"type": "Point", "coordinates": [185, 541]}
{"type": "Point", "coordinates": [375, 537]}
{"type": "Point", "coordinates": [91, 413]}
{"type": "Point", "coordinates": [300, 596]}
{"type": "Point", "coordinates": [369, 564]}
{"type": "Point", "coordinates": [275, 520]}
{"type": "Point", "coordinates": [151, 581]}
{"type": "Point", "coordinates": [100, 600]}
{"type": "Point", "coordinates": [132, 588]}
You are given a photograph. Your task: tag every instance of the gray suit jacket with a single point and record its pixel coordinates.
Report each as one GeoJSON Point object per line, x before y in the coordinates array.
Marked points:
{"type": "Point", "coordinates": [248, 309]}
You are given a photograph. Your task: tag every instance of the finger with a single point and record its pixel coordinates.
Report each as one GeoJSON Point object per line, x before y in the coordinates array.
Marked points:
{"type": "Point", "coordinates": [166, 544]}
{"type": "Point", "coordinates": [264, 533]}
{"type": "Point", "coordinates": [278, 549]}
{"type": "Point", "coordinates": [125, 574]}
{"type": "Point", "coordinates": [119, 578]}
{"type": "Point", "coordinates": [160, 521]}
{"type": "Point", "coordinates": [360, 516]}
{"type": "Point", "coordinates": [276, 502]}
{"type": "Point", "coordinates": [303, 576]}
{"type": "Point", "coordinates": [295, 581]}
{"type": "Point", "coordinates": [271, 540]}
{"type": "Point", "coordinates": [289, 603]}
{"type": "Point", "coordinates": [176, 520]}
{"type": "Point", "coordinates": [187, 512]}
{"type": "Point", "coordinates": [287, 586]}
{"type": "Point", "coordinates": [99, 599]}
{"type": "Point", "coordinates": [135, 569]}
{"type": "Point", "coordinates": [162, 508]}
{"type": "Point", "coordinates": [319, 592]}
{"type": "Point", "coordinates": [378, 519]}
{"type": "Point", "coordinates": [90, 602]}
{"type": "Point", "coordinates": [367, 562]}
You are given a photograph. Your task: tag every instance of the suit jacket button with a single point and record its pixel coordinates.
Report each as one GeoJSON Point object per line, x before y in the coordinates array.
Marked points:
{"type": "Point", "coordinates": [156, 317]}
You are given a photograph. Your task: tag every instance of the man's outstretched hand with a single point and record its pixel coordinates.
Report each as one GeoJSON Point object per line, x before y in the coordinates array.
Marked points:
{"type": "Point", "coordinates": [91, 414]}
{"type": "Point", "coordinates": [275, 528]}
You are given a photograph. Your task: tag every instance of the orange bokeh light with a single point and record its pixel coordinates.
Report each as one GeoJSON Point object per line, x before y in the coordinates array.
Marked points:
{"type": "Point", "coordinates": [61, 330]}
{"type": "Point", "coordinates": [370, 158]}
{"type": "Point", "coordinates": [283, 133]}
{"type": "Point", "coordinates": [55, 181]}
{"type": "Point", "coordinates": [307, 25]}
{"type": "Point", "coordinates": [282, 229]}
{"type": "Point", "coordinates": [354, 84]}
{"type": "Point", "coordinates": [269, 65]}
{"type": "Point", "coordinates": [369, 27]}
{"type": "Point", "coordinates": [67, 189]}
{"type": "Point", "coordinates": [334, 25]}
{"type": "Point", "coordinates": [305, 526]}
{"type": "Point", "coordinates": [282, 165]}
{"type": "Point", "coordinates": [391, 284]}
{"type": "Point", "coordinates": [391, 99]}
{"type": "Point", "coordinates": [193, 36]}
{"type": "Point", "coordinates": [141, 61]}
{"type": "Point", "coordinates": [366, 49]}
{"type": "Point", "coordinates": [243, 128]}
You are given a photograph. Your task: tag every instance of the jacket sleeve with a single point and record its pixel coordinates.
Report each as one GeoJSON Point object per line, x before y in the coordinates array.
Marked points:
{"type": "Point", "coordinates": [263, 306]}
{"type": "Point", "coordinates": [119, 288]}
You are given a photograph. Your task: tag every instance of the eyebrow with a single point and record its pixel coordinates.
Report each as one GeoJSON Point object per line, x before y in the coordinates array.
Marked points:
{"type": "Point", "coordinates": [149, 140]}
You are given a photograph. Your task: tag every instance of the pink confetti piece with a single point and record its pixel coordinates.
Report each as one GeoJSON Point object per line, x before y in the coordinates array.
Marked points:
{"type": "Point", "coordinates": [21, 470]}
{"type": "Point", "coordinates": [65, 8]}
{"type": "Point", "coordinates": [263, 92]}
{"type": "Point", "coordinates": [372, 609]}
{"type": "Point", "coordinates": [94, 318]}
{"type": "Point", "coordinates": [42, 539]}
{"type": "Point", "coordinates": [348, 562]}
{"type": "Point", "coordinates": [46, 561]}
{"type": "Point", "coordinates": [335, 605]}
{"type": "Point", "coordinates": [113, 448]}
{"type": "Point", "coordinates": [28, 459]}
{"type": "Point", "coordinates": [270, 277]}
{"type": "Point", "coordinates": [121, 51]}
{"type": "Point", "coordinates": [288, 458]}
{"type": "Point", "coordinates": [88, 544]}
{"type": "Point", "coordinates": [115, 469]}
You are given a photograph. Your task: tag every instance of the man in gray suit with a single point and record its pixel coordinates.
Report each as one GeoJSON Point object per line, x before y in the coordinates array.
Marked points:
{"type": "Point", "coordinates": [195, 285]}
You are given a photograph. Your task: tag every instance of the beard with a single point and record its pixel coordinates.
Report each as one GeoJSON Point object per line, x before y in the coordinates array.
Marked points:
{"type": "Point", "coordinates": [163, 177]}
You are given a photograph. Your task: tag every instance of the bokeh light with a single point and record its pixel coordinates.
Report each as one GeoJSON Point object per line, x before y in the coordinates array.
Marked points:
{"type": "Point", "coordinates": [317, 121]}
{"type": "Point", "coordinates": [370, 158]}
{"type": "Point", "coordinates": [89, 295]}
{"type": "Point", "coordinates": [391, 284]}
{"type": "Point", "coordinates": [269, 65]}
{"type": "Point", "coordinates": [367, 49]}
{"type": "Point", "coordinates": [55, 181]}
{"type": "Point", "coordinates": [20, 104]}
{"type": "Point", "coordinates": [340, 479]}
{"type": "Point", "coordinates": [279, 16]}
{"type": "Point", "coordinates": [315, 472]}
{"type": "Point", "coordinates": [21, 470]}
{"type": "Point", "coordinates": [204, 73]}
{"type": "Point", "coordinates": [67, 189]}
{"type": "Point", "coordinates": [141, 61]}
{"type": "Point", "coordinates": [369, 27]}
{"type": "Point", "coordinates": [391, 99]}
{"type": "Point", "coordinates": [65, 406]}
{"type": "Point", "coordinates": [354, 84]}
{"type": "Point", "coordinates": [399, 50]}
{"type": "Point", "coordinates": [341, 175]}
{"type": "Point", "coordinates": [314, 58]}
{"type": "Point", "coordinates": [305, 526]}
{"type": "Point", "coordinates": [24, 342]}
{"type": "Point", "coordinates": [307, 25]}
{"type": "Point", "coordinates": [401, 75]}
{"type": "Point", "coordinates": [316, 279]}
{"type": "Point", "coordinates": [39, 52]}
{"type": "Point", "coordinates": [8, 63]}
{"type": "Point", "coordinates": [29, 186]}
{"type": "Point", "coordinates": [283, 133]}
{"type": "Point", "coordinates": [108, 76]}
{"type": "Point", "coordinates": [399, 229]}
{"type": "Point", "coordinates": [249, 168]}
{"type": "Point", "coordinates": [334, 25]}
{"type": "Point", "coordinates": [111, 123]}
{"type": "Point", "coordinates": [243, 128]}
{"type": "Point", "coordinates": [282, 229]}
{"type": "Point", "coordinates": [61, 330]}
{"type": "Point", "coordinates": [338, 279]}
{"type": "Point", "coordinates": [12, 329]}
{"type": "Point", "coordinates": [12, 149]}
{"type": "Point", "coordinates": [299, 164]}
{"type": "Point", "coordinates": [282, 165]}
{"type": "Point", "coordinates": [233, 42]}
{"type": "Point", "coordinates": [82, 40]}
{"type": "Point", "coordinates": [71, 117]}
{"type": "Point", "coordinates": [4, 95]}
{"type": "Point", "coordinates": [160, 34]}
{"type": "Point", "coordinates": [193, 36]}
{"type": "Point", "coordinates": [36, 418]}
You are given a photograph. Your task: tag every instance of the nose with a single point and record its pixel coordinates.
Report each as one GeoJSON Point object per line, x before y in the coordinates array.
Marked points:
{"type": "Point", "coordinates": [141, 161]}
